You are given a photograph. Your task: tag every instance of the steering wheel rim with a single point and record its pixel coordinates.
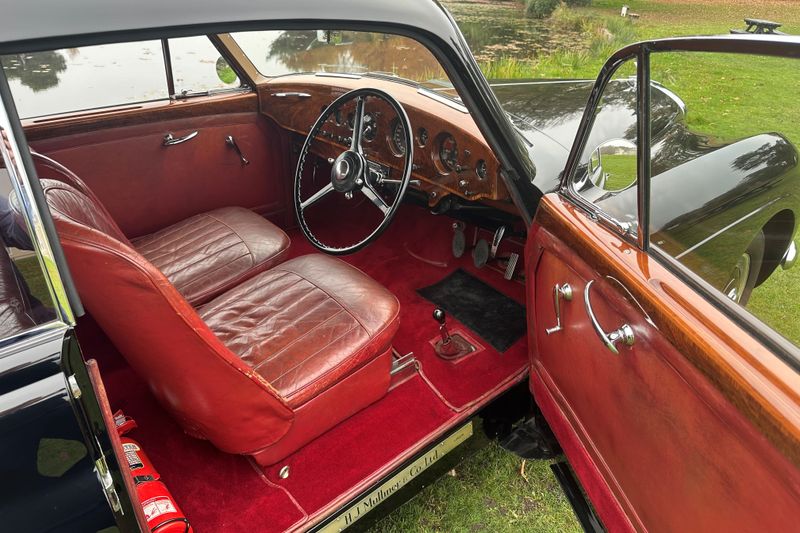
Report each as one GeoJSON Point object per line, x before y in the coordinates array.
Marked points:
{"type": "Point", "coordinates": [350, 171]}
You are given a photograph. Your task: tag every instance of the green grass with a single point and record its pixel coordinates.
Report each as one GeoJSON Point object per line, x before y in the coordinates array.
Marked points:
{"type": "Point", "coordinates": [488, 493]}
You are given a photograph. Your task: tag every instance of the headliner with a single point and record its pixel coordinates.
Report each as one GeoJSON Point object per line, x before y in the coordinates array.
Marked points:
{"type": "Point", "coordinates": [41, 24]}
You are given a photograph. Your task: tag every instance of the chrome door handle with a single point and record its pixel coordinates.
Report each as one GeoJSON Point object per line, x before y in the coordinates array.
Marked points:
{"type": "Point", "coordinates": [171, 140]}
{"type": "Point", "coordinates": [230, 141]}
{"type": "Point", "coordinates": [624, 333]}
{"type": "Point", "coordinates": [296, 94]}
{"type": "Point", "coordinates": [559, 291]}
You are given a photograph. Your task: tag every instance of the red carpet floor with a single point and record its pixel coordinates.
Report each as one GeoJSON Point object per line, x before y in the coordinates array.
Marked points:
{"type": "Point", "coordinates": [221, 492]}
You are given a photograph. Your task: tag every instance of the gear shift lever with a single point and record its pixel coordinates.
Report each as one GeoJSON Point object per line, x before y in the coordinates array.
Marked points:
{"type": "Point", "coordinates": [449, 346]}
{"type": "Point", "coordinates": [441, 318]}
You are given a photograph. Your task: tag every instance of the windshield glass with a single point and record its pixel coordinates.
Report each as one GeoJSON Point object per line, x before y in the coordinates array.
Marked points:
{"type": "Point", "coordinates": [277, 53]}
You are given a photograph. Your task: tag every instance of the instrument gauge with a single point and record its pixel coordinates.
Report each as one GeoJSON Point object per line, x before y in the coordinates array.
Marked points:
{"type": "Point", "coordinates": [422, 137]}
{"type": "Point", "coordinates": [448, 152]}
{"type": "Point", "coordinates": [397, 141]}
{"type": "Point", "coordinates": [480, 169]}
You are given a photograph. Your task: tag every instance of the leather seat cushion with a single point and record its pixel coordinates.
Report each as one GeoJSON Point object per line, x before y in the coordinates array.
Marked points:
{"type": "Point", "coordinates": [305, 324]}
{"type": "Point", "coordinates": [210, 253]}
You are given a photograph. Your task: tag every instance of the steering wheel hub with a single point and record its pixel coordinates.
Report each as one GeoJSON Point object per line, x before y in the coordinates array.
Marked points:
{"type": "Point", "coordinates": [347, 171]}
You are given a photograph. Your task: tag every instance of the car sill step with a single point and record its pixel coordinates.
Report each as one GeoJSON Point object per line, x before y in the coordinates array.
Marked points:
{"type": "Point", "coordinates": [577, 499]}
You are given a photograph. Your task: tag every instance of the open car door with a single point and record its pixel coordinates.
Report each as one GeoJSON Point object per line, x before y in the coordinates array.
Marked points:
{"type": "Point", "coordinates": [677, 408]}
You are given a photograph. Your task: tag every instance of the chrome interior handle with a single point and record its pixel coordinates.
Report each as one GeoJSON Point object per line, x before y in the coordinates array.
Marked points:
{"type": "Point", "coordinates": [295, 94]}
{"type": "Point", "coordinates": [171, 140]}
{"type": "Point", "coordinates": [230, 141]}
{"type": "Point", "coordinates": [624, 333]}
{"type": "Point", "coordinates": [559, 291]}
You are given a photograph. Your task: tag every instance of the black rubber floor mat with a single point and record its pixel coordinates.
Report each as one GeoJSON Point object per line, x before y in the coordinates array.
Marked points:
{"type": "Point", "coordinates": [495, 317]}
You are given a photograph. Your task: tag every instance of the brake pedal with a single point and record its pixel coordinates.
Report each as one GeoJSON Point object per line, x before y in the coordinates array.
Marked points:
{"type": "Point", "coordinates": [511, 266]}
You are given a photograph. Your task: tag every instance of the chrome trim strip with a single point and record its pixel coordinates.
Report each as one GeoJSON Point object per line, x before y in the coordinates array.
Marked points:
{"type": "Point", "coordinates": [443, 100]}
{"type": "Point", "coordinates": [337, 75]}
{"type": "Point", "coordinates": [726, 228]}
{"type": "Point", "coordinates": [11, 153]}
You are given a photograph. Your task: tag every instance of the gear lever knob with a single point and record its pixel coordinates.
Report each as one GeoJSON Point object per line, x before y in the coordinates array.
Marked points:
{"type": "Point", "coordinates": [439, 316]}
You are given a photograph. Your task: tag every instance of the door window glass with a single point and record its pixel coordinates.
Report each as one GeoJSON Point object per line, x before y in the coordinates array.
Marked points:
{"type": "Point", "coordinates": [75, 79]}
{"type": "Point", "coordinates": [726, 176]}
{"type": "Point", "coordinates": [25, 299]}
{"type": "Point", "coordinates": [607, 170]}
{"type": "Point", "coordinates": [197, 66]}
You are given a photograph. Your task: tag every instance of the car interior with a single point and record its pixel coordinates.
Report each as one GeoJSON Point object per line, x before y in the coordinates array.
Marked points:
{"type": "Point", "coordinates": [271, 381]}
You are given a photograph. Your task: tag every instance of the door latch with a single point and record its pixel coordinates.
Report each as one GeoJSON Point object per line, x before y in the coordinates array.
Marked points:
{"type": "Point", "coordinates": [559, 291]}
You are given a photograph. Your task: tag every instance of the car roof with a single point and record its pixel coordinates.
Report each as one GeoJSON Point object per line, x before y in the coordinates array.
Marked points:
{"type": "Point", "coordinates": [33, 25]}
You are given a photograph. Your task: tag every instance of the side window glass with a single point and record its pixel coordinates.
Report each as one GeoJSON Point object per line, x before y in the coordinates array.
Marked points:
{"type": "Point", "coordinates": [726, 176]}
{"type": "Point", "coordinates": [76, 79]}
{"type": "Point", "coordinates": [606, 173]}
{"type": "Point", "coordinates": [197, 66]}
{"type": "Point", "coordinates": [25, 299]}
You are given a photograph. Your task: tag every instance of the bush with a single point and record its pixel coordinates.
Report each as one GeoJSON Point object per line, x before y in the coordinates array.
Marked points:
{"type": "Point", "coordinates": [578, 3]}
{"type": "Point", "coordinates": [540, 8]}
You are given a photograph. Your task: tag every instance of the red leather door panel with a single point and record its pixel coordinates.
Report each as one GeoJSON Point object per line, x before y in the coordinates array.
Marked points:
{"type": "Point", "coordinates": [147, 186]}
{"type": "Point", "coordinates": [661, 439]}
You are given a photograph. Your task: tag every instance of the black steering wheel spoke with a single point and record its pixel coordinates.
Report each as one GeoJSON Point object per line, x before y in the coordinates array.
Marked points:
{"type": "Point", "coordinates": [375, 197]}
{"type": "Point", "coordinates": [358, 125]}
{"type": "Point", "coordinates": [351, 173]}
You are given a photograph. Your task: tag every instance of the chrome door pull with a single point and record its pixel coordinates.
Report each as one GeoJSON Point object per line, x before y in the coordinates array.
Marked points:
{"type": "Point", "coordinates": [559, 291]}
{"type": "Point", "coordinates": [230, 141]}
{"type": "Point", "coordinates": [295, 94]}
{"type": "Point", "coordinates": [624, 333]}
{"type": "Point", "coordinates": [171, 140]}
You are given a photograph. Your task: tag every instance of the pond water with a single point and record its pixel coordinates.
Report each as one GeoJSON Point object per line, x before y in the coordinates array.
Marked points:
{"type": "Point", "coordinates": [82, 78]}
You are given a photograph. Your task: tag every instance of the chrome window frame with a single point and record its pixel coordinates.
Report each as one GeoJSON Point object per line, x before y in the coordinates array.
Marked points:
{"type": "Point", "coordinates": [46, 245]}
{"type": "Point", "coordinates": [765, 45]}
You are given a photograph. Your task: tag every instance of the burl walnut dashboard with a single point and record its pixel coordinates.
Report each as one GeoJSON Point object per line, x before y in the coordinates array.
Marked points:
{"type": "Point", "coordinates": [450, 154]}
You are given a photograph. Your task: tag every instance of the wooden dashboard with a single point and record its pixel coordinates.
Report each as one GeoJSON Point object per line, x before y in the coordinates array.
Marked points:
{"type": "Point", "coordinates": [450, 154]}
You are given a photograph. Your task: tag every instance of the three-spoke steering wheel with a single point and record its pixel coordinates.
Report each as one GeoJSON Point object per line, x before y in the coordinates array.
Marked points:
{"type": "Point", "coordinates": [351, 172]}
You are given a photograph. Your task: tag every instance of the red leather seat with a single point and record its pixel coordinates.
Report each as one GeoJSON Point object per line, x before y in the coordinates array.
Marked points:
{"type": "Point", "coordinates": [260, 370]}
{"type": "Point", "coordinates": [204, 255]}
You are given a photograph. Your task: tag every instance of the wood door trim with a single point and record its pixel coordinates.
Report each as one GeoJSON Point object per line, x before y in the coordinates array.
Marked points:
{"type": "Point", "coordinates": [751, 377]}
{"type": "Point", "coordinates": [144, 113]}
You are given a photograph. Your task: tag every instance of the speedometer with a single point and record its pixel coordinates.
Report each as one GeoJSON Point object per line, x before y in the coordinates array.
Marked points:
{"type": "Point", "coordinates": [398, 139]}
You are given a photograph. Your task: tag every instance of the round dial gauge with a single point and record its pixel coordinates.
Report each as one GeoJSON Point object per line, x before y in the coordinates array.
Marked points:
{"type": "Point", "coordinates": [448, 152]}
{"type": "Point", "coordinates": [423, 137]}
{"type": "Point", "coordinates": [480, 169]}
{"type": "Point", "coordinates": [398, 138]}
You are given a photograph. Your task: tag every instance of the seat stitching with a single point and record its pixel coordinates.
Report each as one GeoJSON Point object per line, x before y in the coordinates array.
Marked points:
{"type": "Point", "coordinates": [315, 353]}
{"type": "Point", "coordinates": [234, 232]}
{"type": "Point", "coordinates": [187, 241]}
{"type": "Point", "coordinates": [329, 296]}
{"type": "Point", "coordinates": [244, 276]}
{"type": "Point", "coordinates": [176, 272]}
{"type": "Point", "coordinates": [276, 354]}
{"type": "Point", "coordinates": [206, 309]}
{"type": "Point", "coordinates": [211, 272]}
{"type": "Point", "coordinates": [171, 230]}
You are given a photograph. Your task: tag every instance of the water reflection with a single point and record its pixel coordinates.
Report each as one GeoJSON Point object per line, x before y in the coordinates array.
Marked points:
{"type": "Point", "coordinates": [38, 70]}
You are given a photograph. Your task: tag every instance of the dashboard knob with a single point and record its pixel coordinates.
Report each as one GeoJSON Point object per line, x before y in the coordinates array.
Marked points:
{"type": "Point", "coordinates": [463, 184]}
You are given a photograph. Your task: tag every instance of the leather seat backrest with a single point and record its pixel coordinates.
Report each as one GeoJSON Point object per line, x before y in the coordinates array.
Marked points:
{"type": "Point", "coordinates": [211, 391]}
{"type": "Point", "coordinates": [14, 305]}
{"type": "Point", "coordinates": [92, 212]}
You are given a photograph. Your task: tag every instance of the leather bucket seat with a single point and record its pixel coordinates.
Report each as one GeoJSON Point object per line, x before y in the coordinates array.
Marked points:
{"type": "Point", "coordinates": [204, 255]}
{"type": "Point", "coordinates": [261, 369]}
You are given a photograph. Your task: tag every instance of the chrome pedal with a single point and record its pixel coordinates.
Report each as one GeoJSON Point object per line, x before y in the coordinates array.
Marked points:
{"type": "Point", "coordinates": [511, 266]}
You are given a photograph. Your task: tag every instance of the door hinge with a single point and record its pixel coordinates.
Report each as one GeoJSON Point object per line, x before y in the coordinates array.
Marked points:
{"type": "Point", "coordinates": [74, 389]}
{"type": "Point", "coordinates": [107, 482]}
